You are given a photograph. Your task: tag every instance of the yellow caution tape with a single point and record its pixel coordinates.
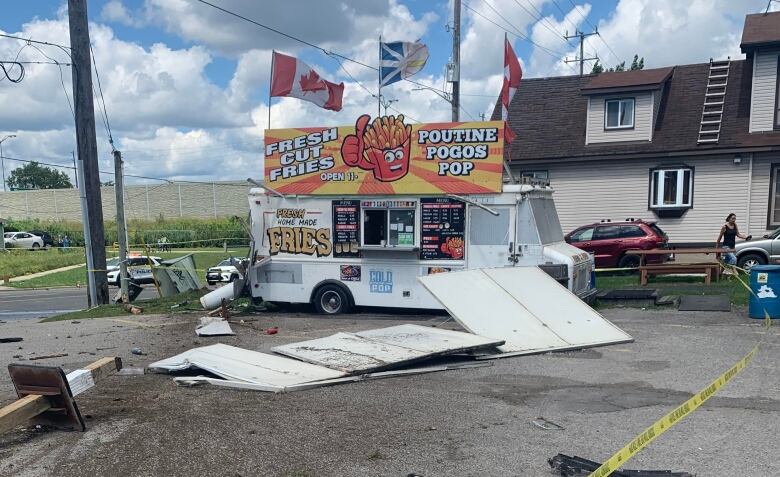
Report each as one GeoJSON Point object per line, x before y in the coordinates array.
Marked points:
{"type": "Point", "coordinates": [676, 415]}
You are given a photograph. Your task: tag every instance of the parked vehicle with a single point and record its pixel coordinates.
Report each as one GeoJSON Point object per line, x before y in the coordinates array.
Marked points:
{"type": "Point", "coordinates": [224, 271]}
{"type": "Point", "coordinates": [610, 242]}
{"type": "Point", "coordinates": [22, 240]}
{"type": "Point", "coordinates": [759, 252]}
{"type": "Point", "coordinates": [138, 269]}
{"type": "Point", "coordinates": [48, 241]}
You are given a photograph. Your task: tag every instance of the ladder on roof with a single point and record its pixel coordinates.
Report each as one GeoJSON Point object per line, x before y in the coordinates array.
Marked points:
{"type": "Point", "coordinates": [714, 100]}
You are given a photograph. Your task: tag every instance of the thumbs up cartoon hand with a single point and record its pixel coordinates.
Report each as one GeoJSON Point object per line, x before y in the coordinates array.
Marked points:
{"type": "Point", "coordinates": [353, 146]}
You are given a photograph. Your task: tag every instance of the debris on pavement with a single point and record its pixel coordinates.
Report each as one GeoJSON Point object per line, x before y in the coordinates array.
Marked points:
{"type": "Point", "coordinates": [272, 330]}
{"type": "Point", "coordinates": [137, 351]}
{"type": "Point", "coordinates": [385, 348]}
{"type": "Point", "coordinates": [58, 355]}
{"type": "Point", "coordinates": [566, 466]}
{"type": "Point", "coordinates": [46, 394]}
{"type": "Point", "coordinates": [136, 310]}
{"type": "Point", "coordinates": [528, 308]}
{"type": "Point", "coordinates": [547, 425]}
{"type": "Point", "coordinates": [131, 372]}
{"type": "Point", "coordinates": [14, 339]}
{"type": "Point", "coordinates": [213, 326]}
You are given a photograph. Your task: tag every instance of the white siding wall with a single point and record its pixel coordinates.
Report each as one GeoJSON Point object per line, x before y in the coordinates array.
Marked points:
{"type": "Point", "coordinates": [643, 120]}
{"type": "Point", "coordinates": [588, 192]}
{"type": "Point", "coordinates": [764, 88]}
{"type": "Point", "coordinates": [759, 205]}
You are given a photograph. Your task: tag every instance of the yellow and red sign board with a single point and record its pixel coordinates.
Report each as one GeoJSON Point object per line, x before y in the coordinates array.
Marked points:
{"type": "Point", "coordinates": [385, 157]}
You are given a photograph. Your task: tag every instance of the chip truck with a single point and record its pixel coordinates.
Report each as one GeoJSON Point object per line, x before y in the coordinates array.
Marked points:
{"type": "Point", "coordinates": [352, 216]}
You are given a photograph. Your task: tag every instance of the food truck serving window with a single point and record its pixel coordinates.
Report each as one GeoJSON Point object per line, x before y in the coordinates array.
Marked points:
{"type": "Point", "coordinates": [389, 223]}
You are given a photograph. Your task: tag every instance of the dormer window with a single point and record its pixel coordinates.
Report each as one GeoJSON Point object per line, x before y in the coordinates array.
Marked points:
{"type": "Point", "coordinates": [619, 113]}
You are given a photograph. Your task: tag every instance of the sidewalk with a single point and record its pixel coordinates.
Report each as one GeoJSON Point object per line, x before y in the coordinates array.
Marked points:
{"type": "Point", "coordinates": [47, 272]}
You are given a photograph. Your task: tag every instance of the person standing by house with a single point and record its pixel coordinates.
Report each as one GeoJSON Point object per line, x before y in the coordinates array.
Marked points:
{"type": "Point", "coordinates": [728, 234]}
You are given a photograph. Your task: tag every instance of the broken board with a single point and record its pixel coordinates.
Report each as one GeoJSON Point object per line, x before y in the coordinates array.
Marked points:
{"type": "Point", "coordinates": [385, 348]}
{"type": "Point", "coordinates": [525, 307]}
{"type": "Point", "coordinates": [266, 371]}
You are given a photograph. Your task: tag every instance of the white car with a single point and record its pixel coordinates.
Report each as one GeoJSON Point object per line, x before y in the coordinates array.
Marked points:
{"type": "Point", "coordinates": [138, 268]}
{"type": "Point", "coordinates": [225, 271]}
{"type": "Point", "coordinates": [22, 240]}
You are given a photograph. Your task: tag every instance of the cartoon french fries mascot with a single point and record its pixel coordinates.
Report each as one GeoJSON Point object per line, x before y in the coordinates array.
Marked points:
{"type": "Point", "coordinates": [382, 147]}
{"type": "Point", "coordinates": [453, 247]}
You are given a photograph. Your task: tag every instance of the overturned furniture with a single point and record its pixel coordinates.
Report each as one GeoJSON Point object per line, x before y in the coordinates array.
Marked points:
{"type": "Point", "coordinates": [46, 394]}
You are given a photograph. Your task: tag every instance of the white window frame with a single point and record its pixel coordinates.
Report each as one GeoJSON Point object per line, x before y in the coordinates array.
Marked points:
{"type": "Point", "coordinates": [416, 231]}
{"type": "Point", "coordinates": [620, 102]}
{"type": "Point", "coordinates": [657, 201]}
{"type": "Point", "coordinates": [773, 202]}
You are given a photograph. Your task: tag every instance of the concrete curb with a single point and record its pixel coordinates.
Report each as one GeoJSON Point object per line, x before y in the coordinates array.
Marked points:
{"type": "Point", "coordinates": [47, 272]}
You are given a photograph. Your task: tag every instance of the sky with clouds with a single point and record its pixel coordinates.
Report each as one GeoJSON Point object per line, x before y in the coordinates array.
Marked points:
{"type": "Point", "coordinates": [186, 85]}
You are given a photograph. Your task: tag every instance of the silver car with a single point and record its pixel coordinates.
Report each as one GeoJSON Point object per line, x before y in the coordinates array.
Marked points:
{"type": "Point", "coordinates": [759, 252]}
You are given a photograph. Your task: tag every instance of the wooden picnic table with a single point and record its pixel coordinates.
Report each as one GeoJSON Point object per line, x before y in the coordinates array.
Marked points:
{"type": "Point", "coordinates": [710, 269]}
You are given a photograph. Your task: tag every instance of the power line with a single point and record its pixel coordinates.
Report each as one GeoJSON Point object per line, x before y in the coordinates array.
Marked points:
{"type": "Point", "coordinates": [107, 124]}
{"type": "Point", "coordinates": [541, 19]}
{"type": "Point", "coordinates": [596, 29]}
{"type": "Point", "coordinates": [7, 74]}
{"type": "Point", "coordinates": [302, 41]}
{"type": "Point", "coordinates": [28, 40]}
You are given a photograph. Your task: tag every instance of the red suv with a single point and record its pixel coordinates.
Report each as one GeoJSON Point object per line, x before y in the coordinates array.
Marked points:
{"type": "Point", "coordinates": [608, 242]}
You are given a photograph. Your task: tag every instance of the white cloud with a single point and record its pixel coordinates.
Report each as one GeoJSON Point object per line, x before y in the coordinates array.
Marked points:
{"type": "Point", "coordinates": [115, 11]}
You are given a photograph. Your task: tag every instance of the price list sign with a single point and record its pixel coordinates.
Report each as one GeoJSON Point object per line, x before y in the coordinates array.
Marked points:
{"type": "Point", "coordinates": [443, 222]}
{"type": "Point", "coordinates": [346, 228]}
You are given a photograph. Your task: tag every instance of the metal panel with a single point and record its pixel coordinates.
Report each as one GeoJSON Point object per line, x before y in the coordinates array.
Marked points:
{"type": "Point", "coordinates": [527, 308]}
{"type": "Point", "coordinates": [237, 364]}
{"type": "Point", "coordinates": [382, 349]}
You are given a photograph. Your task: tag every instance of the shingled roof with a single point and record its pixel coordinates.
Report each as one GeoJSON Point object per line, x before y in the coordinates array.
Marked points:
{"type": "Point", "coordinates": [549, 115]}
{"type": "Point", "coordinates": [761, 30]}
{"type": "Point", "coordinates": [636, 80]}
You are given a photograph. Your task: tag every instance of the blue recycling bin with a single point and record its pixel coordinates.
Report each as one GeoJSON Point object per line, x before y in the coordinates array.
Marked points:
{"type": "Point", "coordinates": [765, 284]}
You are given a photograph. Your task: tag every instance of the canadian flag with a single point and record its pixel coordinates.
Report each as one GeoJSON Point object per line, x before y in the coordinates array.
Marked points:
{"type": "Point", "coordinates": [293, 78]}
{"type": "Point", "coordinates": [512, 76]}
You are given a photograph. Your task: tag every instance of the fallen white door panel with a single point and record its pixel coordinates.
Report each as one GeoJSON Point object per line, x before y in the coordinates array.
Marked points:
{"type": "Point", "coordinates": [375, 350]}
{"type": "Point", "coordinates": [237, 364]}
{"type": "Point", "coordinates": [524, 306]}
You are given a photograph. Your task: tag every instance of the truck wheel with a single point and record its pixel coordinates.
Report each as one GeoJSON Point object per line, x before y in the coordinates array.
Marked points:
{"type": "Point", "coordinates": [748, 261]}
{"type": "Point", "coordinates": [331, 300]}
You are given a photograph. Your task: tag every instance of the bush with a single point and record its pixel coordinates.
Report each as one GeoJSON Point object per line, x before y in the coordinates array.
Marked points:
{"type": "Point", "coordinates": [200, 232]}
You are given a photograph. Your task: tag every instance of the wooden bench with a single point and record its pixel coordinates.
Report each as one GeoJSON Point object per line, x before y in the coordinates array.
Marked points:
{"type": "Point", "coordinates": [710, 270]}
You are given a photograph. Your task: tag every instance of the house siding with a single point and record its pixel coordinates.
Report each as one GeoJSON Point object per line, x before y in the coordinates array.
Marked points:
{"type": "Point", "coordinates": [643, 119]}
{"type": "Point", "coordinates": [764, 88]}
{"type": "Point", "coordinates": [589, 192]}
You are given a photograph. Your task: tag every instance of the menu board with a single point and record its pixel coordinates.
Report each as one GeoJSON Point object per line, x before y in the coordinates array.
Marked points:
{"type": "Point", "coordinates": [443, 222]}
{"type": "Point", "coordinates": [346, 228]}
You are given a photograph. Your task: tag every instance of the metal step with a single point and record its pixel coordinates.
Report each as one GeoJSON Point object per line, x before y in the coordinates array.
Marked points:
{"type": "Point", "coordinates": [711, 122]}
{"type": "Point", "coordinates": [715, 139]}
{"type": "Point", "coordinates": [723, 93]}
{"type": "Point", "coordinates": [719, 67]}
{"type": "Point", "coordinates": [718, 76]}
{"type": "Point", "coordinates": [711, 113]}
{"type": "Point", "coordinates": [719, 85]}
{"type": "Point", "coordinates": [709, 131]}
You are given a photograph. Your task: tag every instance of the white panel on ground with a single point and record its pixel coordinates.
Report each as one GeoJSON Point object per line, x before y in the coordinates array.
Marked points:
{"type": "Point", "coordinates": [272, 372]}
{"type": "Point", "coordinates": [524, 306]}
{"type": "Point", "coordinates": [386, 348]}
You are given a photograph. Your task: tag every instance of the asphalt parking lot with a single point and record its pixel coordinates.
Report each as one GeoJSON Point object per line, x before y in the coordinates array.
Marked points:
{"type": "Point", "coordinates": [472, 422]}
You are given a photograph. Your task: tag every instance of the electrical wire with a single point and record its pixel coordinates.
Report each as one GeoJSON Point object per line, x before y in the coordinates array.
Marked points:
{"type": "Point", "coordinates": [7, 74]}
{"type": "Point", "coordinates": [595, 28]}
{"type": "Point", "coordinates": [543, 19]}
{"type": "Point", "coordinates": [107, 124]}
{"type": "Point", "coordinates": [59, 66]}
{"type": "Point", "coordinates": [28, 40]}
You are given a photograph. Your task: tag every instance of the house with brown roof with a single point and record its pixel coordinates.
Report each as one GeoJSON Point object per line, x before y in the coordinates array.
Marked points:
{"type": "Point", "coordinates": [684, 145]}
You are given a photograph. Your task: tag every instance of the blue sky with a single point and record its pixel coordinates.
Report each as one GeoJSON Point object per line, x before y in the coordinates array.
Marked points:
{"type": "Point", "coordinates": [186, 85]}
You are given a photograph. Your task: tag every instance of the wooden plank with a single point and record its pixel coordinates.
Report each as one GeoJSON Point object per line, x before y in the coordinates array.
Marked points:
{"type": "Point", "coordinates": [79, 381]}
{"type": "Point", "coordinates": [678, 251]}
{"type": "Point", "coordinates": [19, 412]}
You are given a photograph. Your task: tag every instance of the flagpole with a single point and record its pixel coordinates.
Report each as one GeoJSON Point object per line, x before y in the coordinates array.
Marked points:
{"type": "Point", "coordinates": [379, 96]}
{"type": "Point", "coordinates": [270, 85]}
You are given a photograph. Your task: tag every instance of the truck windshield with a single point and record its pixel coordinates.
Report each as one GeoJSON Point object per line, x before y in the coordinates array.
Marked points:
{"type": "Point", "coordinates": [546, 218]}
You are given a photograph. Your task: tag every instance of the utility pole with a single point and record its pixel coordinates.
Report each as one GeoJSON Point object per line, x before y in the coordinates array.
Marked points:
{"type": "Point", "coordinates": [75, 169]}
{"type": "Point", "coordinates": [455, 72]}
{"type": "Point", "coordinates": [2, 158]}
{"type": "Point", "coordinates": [581, 35]}
{"type": "Point", "coordinates": [121, 224]}
{"type": "Point", "coordinates": [87, 147]}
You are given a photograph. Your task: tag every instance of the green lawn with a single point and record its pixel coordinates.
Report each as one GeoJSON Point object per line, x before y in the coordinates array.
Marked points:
{"type": "Point", "coordinates": [186, 302]}
{"type": "Point", "coordinates": [677, 285]}
{"type": "Point", "coordinates": [204, 258]}
{"type": "Point", "coordinates": [24, 262]}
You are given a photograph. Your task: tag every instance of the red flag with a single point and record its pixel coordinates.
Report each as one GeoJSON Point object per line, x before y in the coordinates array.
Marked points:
{"type": "Point", "coordinates": [293, 78]}
{"type": "Point", "coordinates": [512, 76]}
